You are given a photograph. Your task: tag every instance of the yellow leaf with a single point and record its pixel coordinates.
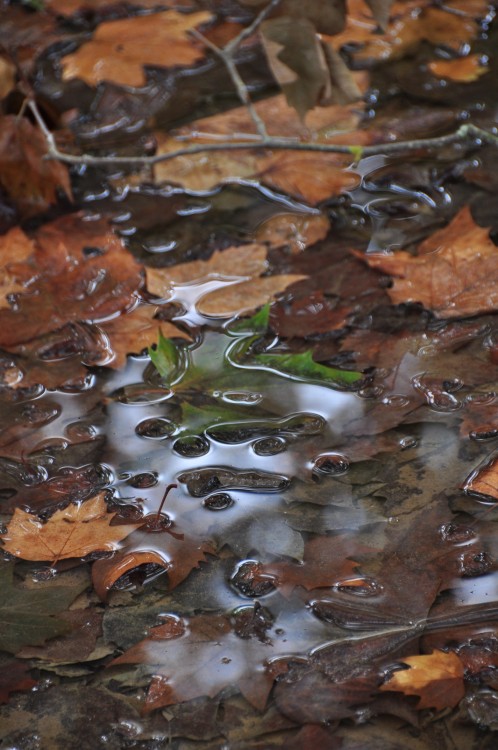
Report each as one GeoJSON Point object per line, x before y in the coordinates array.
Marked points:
{"type": "Point", "coordinates": [75, 531]}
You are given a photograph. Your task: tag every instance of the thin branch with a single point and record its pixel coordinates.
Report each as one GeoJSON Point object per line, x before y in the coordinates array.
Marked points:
{"type": "Point", "coordinates": [472, 134]}
{"type": "Point", "coordinates": [230, 48]}
{"type": "Point", "coordinates": [237, 81]}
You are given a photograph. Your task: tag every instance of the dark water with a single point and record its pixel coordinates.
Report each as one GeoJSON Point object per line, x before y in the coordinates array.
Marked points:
{"type": "Point", "coordinates": [317, 536]}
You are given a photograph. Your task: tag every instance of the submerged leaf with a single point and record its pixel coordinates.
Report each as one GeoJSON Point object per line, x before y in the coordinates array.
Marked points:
{"type": "Point", "coordinates": [27, 616]}
{"type": "Point", "coordinates": [304, 367]}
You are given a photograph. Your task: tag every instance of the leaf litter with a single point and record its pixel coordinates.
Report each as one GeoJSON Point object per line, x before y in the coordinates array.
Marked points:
{"type": "Point", "coordinates": [326, 410]}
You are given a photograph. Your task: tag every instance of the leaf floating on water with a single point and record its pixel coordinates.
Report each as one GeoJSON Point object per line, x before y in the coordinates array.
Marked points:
{"type": "Point", "coordinates": [455, 273]}
{"type": "Point", "coordinates": [239, 267]}
{"type": "Point", "coordinates": [437, 679]}
{"type": "Point", "coordinates": [75, 531]}
{"type": "Point", "coordinates": [120, 49]}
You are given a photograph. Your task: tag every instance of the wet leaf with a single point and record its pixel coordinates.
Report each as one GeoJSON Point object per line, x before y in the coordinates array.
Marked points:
{"type": "Point", "coordinates": [7, 77]}
{"type": "Point", "coordinates": [453, 25]}
{"type": "Point", "coordinates": [312, 177]}
{"type": "Point", "coordinates": [296, 60]}
{"type": "Point", "coordinates": [120, 49]}
{"type": "Point", "coordinates": [437, 679]}
{"type": "Point", "coordinates": [136, 331]}
{"type": "Point", "coordinates": [454, 273]}
{"type": "Point", "coordinates": [326, 561]}
{"type": "Point", "coordinates": [238, 267]}
{"type": "Point", "coordinates": [14, 677]}
{"type": "Point", "coordinates": [28, 616]}
{"type": "Point", "coordinates": [303, 366]}
{"type": "Point", "coordinates": [75, 531]}
{"type": "Point", "coordinates": [79, 270]}
{"type": "Point", "coordinates": [30, 180]}
{"type": "Point", "coordinates": [484, 480]}
{"type": "Point", "coordinates": [461, 69]}
{"type": "Point", "coordinates": [77, 646]}
{"type": "Point", "coordinates": [296, 231]}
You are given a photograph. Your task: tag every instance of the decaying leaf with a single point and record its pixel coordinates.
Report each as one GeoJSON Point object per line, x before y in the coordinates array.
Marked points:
{"type": "Point", "coordinates": [133, 332]}
{"type": "Point", "coordinates": [484, 481]}
{"type": "Point", "coordinates": [312, 177]}
{"type": "Point", "coordinates": [120, 49]}
{"type": "Point", "coordinates": [327, 560]}
{"type": "Point", "coordinates": [462, 69]}
{"type": "Point", "coordinates": [296, 60]}
{"type": "Point", "coordinates": [7, 77]}
{"type": "Point", "coordinates": [238, 267]}
{"type": "Point", "coordinates": [75, 531]}
{"type": "Point", "coordinates": [28, 616]}
{"type": "Point", "coordinates": [30, 180]}
{"type": "Point", "coordinates": [455, 273]}
{"type": "Point", "coordinates": [176, 552]}
{"type": "Point", "coordinates": [437, 679]}
{"type": "Point", "coordinates": [14, 676]}
{"type": "Point", "coordinates": [296, 231]}
{"type": "Point", "coordinates": [453, 25]}
{"type": "Point", "coordinates": [78, 270]}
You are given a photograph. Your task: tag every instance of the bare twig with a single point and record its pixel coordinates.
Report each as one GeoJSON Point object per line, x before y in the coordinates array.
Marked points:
{"type": "Point", "coordinates": [472, 134]}
{"type": "Point", "coordinates": [226, 54]}
{"type": "Point", "coordinates": [237, 82]}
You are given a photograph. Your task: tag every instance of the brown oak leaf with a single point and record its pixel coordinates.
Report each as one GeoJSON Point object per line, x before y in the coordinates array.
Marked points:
{"type": "Point", "coordinates": [120, 49]}
{"type": "Point", "coordinates": [455, 273]}
{"type": "Point", "coordinates": [437, 679]}
{"type": "Point", "coordinates": [75, 531]}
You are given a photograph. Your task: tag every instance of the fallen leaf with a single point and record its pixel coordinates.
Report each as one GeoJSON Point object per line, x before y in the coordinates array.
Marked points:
{"type": "Point", "coordinates": [437, 679]}
{"type": "Point", "coordinates": [77, 646]}
{"type": "Point", "coordinates": [120, 49]}
{"type": "Point", "coordinates": [75, 531]}
{"type": "Point", "coordinates": [239, 267]}
{"type": "Point", "coordinates": [27, 616]}
{"type": "Point", "coordinates": [484, 480]}
{"type": "Point", "coordinates": [326, 561]}
{"type": "Point", "coordinates": [205, 653]}
{"type": "Point", "coordinates": [135, 331]}
{"type": "Point", "coordinates": [79, 270]}
{"type": "Point", "coordinates": [7, 77]}
{"type": "Point", "coordinates": [24, 35]}
{"type": "Point", "coordinates": [30, 180]}
{"type": "Point", "coordinates": [15, 677]}
{"type": "Point", "coordinates": [461, 70]}
{"type": "Point", "coordinates": [411, 22]}
{"type": "Point", "coordinates": [295, 231]}
{"type": "Point", "coordinates": [310, 176]}
{"type": "Point", "coordinates": [177, 553]}
{"type": "Point", "coordinates": [297, 61]}
{"type": "Point", "coordinates": [455, 273]}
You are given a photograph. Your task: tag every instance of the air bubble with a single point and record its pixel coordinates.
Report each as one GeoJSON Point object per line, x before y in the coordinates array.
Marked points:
{"type": "Point", "coordinates": [269, 446]}
{"type": "Point", "coordinates": [192, 446]}
{"type": "Point", "coordinates": [156, 428]}
{"type": "Point", "coordinates": [219, 501]}
{"type": "Point", "coordinates": [330, 464]}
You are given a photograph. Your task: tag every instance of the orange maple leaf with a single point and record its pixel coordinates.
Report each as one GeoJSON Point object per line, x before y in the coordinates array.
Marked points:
{"type": "Point", "coordinates": [436, 678]}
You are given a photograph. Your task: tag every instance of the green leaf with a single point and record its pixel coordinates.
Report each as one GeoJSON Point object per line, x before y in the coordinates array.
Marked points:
{"type": "Point", "coordinates": [166, 358]}
{"type": "Point", "coordinates": [27, 615]}
{"type": "Point", "coordinates": [257, 323]}
{"type": "Point", "coordinates": [304, 367]}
